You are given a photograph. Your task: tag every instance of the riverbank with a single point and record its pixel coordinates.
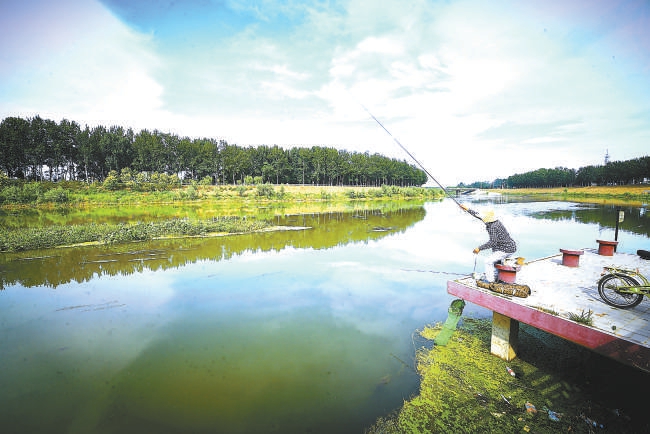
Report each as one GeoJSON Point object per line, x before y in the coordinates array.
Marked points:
{"type": "Point", "coordinates": [558, 386]}
{"type": "Point", "coordinates": [638, 194]}
{"type": "Point", "coordinates": [69, 193]}
{"type": "Point", "coordinates": [152, 215]}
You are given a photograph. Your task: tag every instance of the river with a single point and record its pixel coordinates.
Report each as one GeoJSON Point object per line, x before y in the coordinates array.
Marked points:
{"type": "Point", "coordinates": [310, 330]}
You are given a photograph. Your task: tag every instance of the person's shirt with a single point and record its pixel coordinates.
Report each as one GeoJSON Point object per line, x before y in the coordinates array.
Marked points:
{"type": "Point", "coordinates": [500, 239]}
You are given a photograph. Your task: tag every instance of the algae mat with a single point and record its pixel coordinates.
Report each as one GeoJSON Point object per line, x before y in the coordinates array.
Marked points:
{"type": "Point", "coordinates": [552, 386]}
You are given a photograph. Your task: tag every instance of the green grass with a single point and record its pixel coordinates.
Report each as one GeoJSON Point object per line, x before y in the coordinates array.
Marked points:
{"type": "Point", "coordinates": [18, 193]}
{"type": "Point", "coordinates": [627, 194]}
{"type": "Point", "coordinates": [258, 201]}
{"type": "Point", "coordinates": [582, 318]}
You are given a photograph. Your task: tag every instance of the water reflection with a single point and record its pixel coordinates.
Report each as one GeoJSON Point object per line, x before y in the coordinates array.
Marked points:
{"type": "Point", "coordinates": [307, 331]}
{"type": "Point", "coordinates": [114, 214]}
{"type": "Point", "coordinates": [281, 336]}
{"type": "Point", "coordinates": [53, 267]}
{"type": "Point", "coordinates": [636, 218]}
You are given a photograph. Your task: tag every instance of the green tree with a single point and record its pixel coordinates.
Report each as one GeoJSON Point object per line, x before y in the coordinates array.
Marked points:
{"type": "Point", "coordinates": [149, 152]}
{"type": "Point", "coordinates": [68, 146]}
{"type": "Point", "coordinates": [37, 148]}
{"type": "Point", "coordinates": [278, 162]}
{"type": "Point", "coordinates": [14, 139]}
{"type": "Point", "coordinates": [32, 146]}
{"type": "Point", "coordinates": [236, 162]}
{"type": "Point", "coordinates": [92, 153]}
{"type": "Point", "coordinates": [116, 145]}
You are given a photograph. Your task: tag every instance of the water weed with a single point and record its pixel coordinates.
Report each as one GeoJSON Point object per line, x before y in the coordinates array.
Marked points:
{"type": "Point", "coordinates": [55, 236]}
{"type": "Point", "coordinates": [464, 388]}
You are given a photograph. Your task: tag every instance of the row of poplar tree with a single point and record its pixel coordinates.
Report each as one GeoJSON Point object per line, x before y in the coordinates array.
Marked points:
{"type": "Point", "coordinates": [634, 171]}
{"type": "Point", "coordinates": [42, 149]}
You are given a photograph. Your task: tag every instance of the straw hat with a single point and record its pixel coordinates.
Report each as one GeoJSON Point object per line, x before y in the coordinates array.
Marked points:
{"type": "Point", "coordinates": [488, 216]}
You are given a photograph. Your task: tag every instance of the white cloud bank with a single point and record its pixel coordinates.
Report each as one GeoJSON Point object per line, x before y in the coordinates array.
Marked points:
{"type": "Point", "coordinates": [474, 90]}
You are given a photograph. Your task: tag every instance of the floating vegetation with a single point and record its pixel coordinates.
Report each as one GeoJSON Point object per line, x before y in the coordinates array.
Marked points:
{"type": "Point", "coordinates": [583, 318]}
{"type": "Point", "coordinates": [466, 389]}
{"type": "Point", "coordinates": [55, 236]}
{"type": "Point", "coordinates": [430, 332]}
{"type": "Point", "coordinates": [90, 307]}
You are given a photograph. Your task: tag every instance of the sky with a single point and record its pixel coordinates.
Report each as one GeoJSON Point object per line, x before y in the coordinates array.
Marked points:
{"type": "Point", "coordinates": [474, 90]}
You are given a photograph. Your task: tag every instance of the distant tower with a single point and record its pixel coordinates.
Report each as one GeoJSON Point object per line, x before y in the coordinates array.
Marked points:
{"type": "Point", "coordinates": [607, 157]}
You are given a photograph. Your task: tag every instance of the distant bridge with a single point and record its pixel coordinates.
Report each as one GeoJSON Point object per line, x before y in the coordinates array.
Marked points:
{"type": "Point", "coordinates": [460, 191]}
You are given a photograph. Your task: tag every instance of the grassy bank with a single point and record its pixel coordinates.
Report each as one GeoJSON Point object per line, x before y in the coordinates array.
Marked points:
{"type": "Point", "coordinates": [253, 204]}
{"type": "Point", "coordinates": [625, 194]}
{"type": "Point", "coordinates": [465, 389]}
{"type": "Point", "coordinates": [43, 194]}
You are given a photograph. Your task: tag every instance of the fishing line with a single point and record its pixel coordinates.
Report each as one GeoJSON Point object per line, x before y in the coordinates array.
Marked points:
{"type": "Point", "coordinates": [437, 272]}
{"type": "Point", "coordinates": [411, 155]}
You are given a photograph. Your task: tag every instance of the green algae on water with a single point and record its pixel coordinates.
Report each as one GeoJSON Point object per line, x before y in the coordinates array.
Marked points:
{"type": "Point", "coordinates": [558, 387]}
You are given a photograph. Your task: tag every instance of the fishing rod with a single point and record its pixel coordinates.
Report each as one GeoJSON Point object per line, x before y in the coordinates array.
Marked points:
{"type": "Point", "coordinates": [412, 157]}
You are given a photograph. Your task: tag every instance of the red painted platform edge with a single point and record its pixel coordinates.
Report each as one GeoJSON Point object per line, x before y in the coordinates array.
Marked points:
{"type": "Point", "coordinates": [603, 343]}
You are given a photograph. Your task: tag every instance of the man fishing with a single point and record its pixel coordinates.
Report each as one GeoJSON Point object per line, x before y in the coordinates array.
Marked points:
{"type": "Point", "coordinates": [502, 245]}
{"type": "Point", "coordinates": [500, 242]}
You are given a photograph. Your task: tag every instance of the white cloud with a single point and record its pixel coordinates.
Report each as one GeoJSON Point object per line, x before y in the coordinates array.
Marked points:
{"type": "Point", "coordinates": [90, 68]}
{"type": "Point", "coordinates": [474, 90]}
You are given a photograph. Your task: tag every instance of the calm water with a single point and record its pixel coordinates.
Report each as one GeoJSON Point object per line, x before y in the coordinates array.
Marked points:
{"type": "Point", "coordinates": [296, 331]}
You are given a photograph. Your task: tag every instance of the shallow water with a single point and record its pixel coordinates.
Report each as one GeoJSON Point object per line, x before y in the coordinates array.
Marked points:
{"type": "Point", "coordinates": [298, 331]}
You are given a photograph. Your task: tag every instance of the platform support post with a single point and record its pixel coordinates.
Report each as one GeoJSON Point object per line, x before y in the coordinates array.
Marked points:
{"type": "Point", "coordinates": [505, 331]}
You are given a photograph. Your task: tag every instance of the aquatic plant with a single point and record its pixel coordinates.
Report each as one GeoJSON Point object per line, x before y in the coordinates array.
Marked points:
{"type": "Point", "coordinates": [464, 388]}
{"type": "Point", "coordinates": [431, 331]}
{"type": "Point", "coordinates": [54, 236]}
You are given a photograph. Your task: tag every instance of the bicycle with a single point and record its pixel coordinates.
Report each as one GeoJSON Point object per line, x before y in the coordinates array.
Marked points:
{"type": "Point", "coordinates": [623, 288]}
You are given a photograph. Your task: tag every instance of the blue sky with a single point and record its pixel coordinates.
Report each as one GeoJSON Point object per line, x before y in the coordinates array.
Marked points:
{"type": "Point", "coordinates": [475, 90]}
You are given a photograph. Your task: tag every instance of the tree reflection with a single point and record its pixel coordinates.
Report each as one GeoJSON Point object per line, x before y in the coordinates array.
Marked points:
{"type": "Point", "coordinates": [54, 267]}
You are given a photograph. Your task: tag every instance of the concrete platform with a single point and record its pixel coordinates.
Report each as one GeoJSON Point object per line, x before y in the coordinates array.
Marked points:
{"type": "Point", "coordinates": [558, 290]}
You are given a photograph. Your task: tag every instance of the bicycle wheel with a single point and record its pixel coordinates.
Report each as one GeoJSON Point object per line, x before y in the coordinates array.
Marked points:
{"type": "Point", "coordinates": [607, 290]}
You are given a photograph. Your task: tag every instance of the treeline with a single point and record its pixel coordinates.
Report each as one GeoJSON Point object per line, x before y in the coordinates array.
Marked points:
{"type": "Point", "coordinates": [626, 172]}
{"type": "Point", "coordinates": [42, 149]}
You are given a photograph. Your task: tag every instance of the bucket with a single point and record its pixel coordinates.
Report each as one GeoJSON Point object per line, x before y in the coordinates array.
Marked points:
{"type": "Point", "coordinates": [507, 273]}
